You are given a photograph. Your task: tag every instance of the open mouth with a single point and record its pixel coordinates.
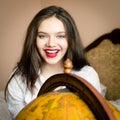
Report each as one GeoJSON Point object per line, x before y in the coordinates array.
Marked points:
{"type": "Point", "coordinates": [51, 53]}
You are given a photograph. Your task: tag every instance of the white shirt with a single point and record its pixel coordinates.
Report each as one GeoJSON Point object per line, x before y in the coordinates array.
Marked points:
{"type": "Point", "coordinates": [18, 95]}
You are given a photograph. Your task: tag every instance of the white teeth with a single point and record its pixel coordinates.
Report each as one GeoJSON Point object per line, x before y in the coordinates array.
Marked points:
{"type": "Point", "coordinates": [53, 51]}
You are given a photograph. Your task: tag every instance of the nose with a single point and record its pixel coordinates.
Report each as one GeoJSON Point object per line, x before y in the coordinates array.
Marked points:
{"type": "Point", "coordinates": [51, 42]}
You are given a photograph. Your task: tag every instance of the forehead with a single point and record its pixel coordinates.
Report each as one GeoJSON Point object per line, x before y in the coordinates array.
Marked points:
{"type": "Point", "coordinates": [51, 24]}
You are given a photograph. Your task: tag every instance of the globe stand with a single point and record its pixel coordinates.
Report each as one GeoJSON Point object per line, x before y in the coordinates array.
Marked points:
{"type": "Point", "coordinates": [85, 90]}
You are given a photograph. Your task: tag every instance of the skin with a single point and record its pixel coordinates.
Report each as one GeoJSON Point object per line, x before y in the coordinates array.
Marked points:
{"type": "Point", "coordinates": [52, 45]}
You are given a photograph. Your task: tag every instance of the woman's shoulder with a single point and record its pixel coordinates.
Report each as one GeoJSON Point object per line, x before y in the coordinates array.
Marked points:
{"type": "Point", "coordinates": [86, 70]}
{"type": "Point", "coordinates": [90, 75]}
{"type": "Point", "coordinates": [16, 82]}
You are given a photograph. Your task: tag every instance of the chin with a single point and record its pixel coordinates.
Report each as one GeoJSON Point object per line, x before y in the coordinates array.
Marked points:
{"type": "Point", "coordinates": [53, 61]}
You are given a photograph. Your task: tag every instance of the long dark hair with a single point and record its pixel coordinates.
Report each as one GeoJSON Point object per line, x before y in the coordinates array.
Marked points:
{"type": "Point", "coordinates": [31, 61]}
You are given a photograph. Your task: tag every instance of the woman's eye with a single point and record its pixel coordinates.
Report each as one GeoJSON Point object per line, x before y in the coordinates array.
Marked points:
{"type": "Point", "coordinates": [42, 36]}
{"type": "Point", "coordinates": [61, 36]}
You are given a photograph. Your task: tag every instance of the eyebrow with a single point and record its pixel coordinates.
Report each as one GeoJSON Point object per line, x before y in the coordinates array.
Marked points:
{"type": "Point", "coordinates": [47, 33]}
{"type": "Point", "coordinates": [41, 32]}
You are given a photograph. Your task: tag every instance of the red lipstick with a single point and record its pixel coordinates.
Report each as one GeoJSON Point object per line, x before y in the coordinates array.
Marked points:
{"type": "Point", "coordinates": [51, 53]}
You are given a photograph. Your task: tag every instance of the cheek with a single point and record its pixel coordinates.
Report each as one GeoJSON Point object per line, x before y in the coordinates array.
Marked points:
{"type": "Point", "coordinates": [65, 45]}
{"type": "Point", "coordinates": [39, 44]}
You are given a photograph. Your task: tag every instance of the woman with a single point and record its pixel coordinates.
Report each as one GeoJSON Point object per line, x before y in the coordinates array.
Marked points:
{"type": "Point", "coordinates": [51, 38]}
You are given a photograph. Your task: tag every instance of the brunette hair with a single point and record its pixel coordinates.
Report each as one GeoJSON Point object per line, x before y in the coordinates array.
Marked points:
{"type": "Point", "coordinates": [31, 61]}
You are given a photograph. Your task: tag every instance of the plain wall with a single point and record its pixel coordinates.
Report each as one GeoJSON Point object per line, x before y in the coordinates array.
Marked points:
{"type": "Point", "coordinates": [92, 17]}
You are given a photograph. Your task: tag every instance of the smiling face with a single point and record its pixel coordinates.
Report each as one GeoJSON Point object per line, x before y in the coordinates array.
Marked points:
{"type": "Point", "coordinates": [52, 40]}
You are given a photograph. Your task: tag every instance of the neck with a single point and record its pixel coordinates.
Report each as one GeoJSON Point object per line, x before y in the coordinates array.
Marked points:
{"type": "Point", "coordinates": [49, 70]}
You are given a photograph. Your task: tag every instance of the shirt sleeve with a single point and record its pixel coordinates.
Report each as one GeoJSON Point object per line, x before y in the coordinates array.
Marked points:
{"type": "Point", "coordinates": [90, 75]}
{"type": "Point", "coordinates": [15, 95]}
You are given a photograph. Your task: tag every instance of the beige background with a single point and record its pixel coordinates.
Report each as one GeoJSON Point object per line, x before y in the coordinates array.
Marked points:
{"type": "Point", "coordinates": [93, 19]}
